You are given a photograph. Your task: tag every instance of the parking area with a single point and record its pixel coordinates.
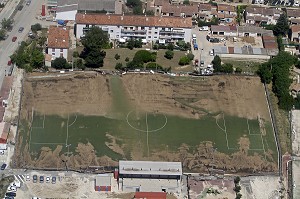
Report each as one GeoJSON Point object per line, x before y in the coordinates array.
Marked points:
{"type": "Point", "coordinates": [204, 46]}
{"type": "Point", "coordinates": [58, 185]}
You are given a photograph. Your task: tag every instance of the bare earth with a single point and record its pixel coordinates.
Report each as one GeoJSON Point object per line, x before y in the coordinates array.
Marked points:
{"type": "Point", "coordinates": [89, 94]}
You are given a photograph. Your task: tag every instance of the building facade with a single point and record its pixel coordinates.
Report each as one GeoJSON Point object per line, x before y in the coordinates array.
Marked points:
{"type": "Point", "coordinates": [147, 28]}
{"type": "Point", "coordinates": [262, 15]}
{"type": "Point", "coordinates": [58, 42]}
{"type": "Point", "coordinates": [149, 176]}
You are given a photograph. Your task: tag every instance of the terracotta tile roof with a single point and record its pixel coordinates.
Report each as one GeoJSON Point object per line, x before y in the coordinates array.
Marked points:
{"type": "Point", "coordinates": [119, 20]}
{"type": "Point", "coordinates": [178, 9]}
{"type": "Point", "coordinates": [216, 28]}
{"type": "Point", "coordinates": [204, 7]}
{"type": "Point", "coordinates": [58, 37]}
{"type": "Point", "coordinates": [295, 28]}
{"type": "Point", "coordinates": [161, 2]}
{"type": "Point", "coordinates": [263, 11]}
{"type": "Point", "coordinates": [223, 7]}
{"type": "Point", "coordinates": [293, 13]}
{"type": "Point", "coordinates": [297, 21]}
{"type": "Point", "coordinates": [269, 42]}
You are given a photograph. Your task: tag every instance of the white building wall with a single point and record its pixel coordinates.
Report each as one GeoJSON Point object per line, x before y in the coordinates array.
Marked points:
{"type": "Point", "coordinates": [148, 33]}
{"type": "Point", "coordinates": [69, 15]}
{"type": "Point", "coordinates": [55, 53]}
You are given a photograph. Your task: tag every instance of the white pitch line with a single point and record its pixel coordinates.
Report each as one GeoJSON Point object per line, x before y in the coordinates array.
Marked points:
{"type": "Point", "coordinates": [44, 121]}
{"type": "Point", "coordinates": [262, 141]}
{"type": "Point", "coordinates": [67, 131]}
{"type": "Point", "coordinates": [50, 143]}
{"type": "Point", "coordinates": [73, 121]}
{"type": "Point", "coordinates": [226, 135]}
{"type": "Point", "coordinates": [249, 132]}
{"type": "Point", "coordinates": [147, 134]}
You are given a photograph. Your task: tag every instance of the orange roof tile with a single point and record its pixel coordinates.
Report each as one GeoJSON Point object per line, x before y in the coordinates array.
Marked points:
{"type": "Point", "coordinates": [222, 7]}
{"type": "Point", "coordinates": [151, 21]}
{"type": "Point", "coordinates": [58, 37]}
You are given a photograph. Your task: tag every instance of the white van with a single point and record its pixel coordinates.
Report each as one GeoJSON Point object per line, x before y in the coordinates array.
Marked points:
{"type": "Point", "coordinates": [194, 36]}
{"type": "Point", "coordinates": [211, 52]}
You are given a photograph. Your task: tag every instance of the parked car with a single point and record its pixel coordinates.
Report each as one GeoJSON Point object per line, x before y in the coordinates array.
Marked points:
{"type": "Point", "coordinates": [20, 7]}
{"type": "Point", "coordinates": [14, 39]}
{"type": "Point", "coordinates": [34, 178]}
{"type": "Point", "coordinates": [21, 29]}
{"type": "Point", "coordinates": [211, 52]}
{"type": "Point", "coordinates": [203, 28]}
{"type": "Point", "coordinates": [53, 180]}
{"type": "Point", "coordinates": [28, 3]}
{"type": "Point", "coordinates": [3, 166]}
{"type": "Point", "coordinates": [9, 62]}
{"type": "Point", "coordinates": [47, 179]}
{"type": "Point", "coordinates": [27, 178]}
{"type": "Point", "coordinates": [41, 179]}
{"type": "Point", "coordinates": [201, 63]}
{"type": "Point", "coordinates": [12, 194]}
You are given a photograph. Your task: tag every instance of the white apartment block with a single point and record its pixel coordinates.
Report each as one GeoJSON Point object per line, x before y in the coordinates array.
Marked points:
{"type": "Point", "coordinates": [147, 28]}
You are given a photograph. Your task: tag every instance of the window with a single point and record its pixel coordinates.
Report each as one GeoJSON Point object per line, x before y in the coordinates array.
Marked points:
{"type": "Point", "coordinates": [150, 28]}
{"type": "Point", "coordinates": [61, 50]}
{"type": "Point", "coordinates": [61, 54]}
{"type": "Point", "coordinates": [149, 37]}
{"type": "Point", "coordinates": [53, 50]}
{"type": "Point", "coordinates": [155, 32]}
{"type": "Point", "coordinates": [111, 31]}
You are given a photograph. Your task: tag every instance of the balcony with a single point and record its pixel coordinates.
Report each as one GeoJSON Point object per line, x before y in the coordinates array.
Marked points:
{"type": "Point", "coordinates": [133, 31]}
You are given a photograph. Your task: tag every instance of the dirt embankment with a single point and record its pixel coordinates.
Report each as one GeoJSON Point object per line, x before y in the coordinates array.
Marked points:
{"type": "Point", "coordinates": [192, 98]}
{"type": "Point", "coordinates": [87, 94]}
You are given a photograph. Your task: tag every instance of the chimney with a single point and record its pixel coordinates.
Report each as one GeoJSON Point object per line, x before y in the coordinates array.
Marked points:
{"type": "Point", "coordinates": [147, 19]}
{"type": "Point", "coordinates": [122, 17]}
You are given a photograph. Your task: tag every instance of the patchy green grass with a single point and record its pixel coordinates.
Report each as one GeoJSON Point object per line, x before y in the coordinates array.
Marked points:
{"type": "Point", "coordinates": [246, 66]}
{"type": "Point", "coordinates": [110, 61]}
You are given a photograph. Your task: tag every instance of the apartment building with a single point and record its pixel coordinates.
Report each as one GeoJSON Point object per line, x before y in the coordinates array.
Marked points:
{"type": "Point", "coordinates": [147, 28]}
{"type": "Point", "coordinates": [262, 15]}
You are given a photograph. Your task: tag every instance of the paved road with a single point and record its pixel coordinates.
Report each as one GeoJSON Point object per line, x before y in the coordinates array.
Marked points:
{"type": "Point", "coordinates": [8, 9]}
{"type": "Point", "coordinates": [24, 18]}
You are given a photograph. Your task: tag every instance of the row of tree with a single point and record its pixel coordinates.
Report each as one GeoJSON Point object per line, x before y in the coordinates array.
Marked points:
{"type": "Point", "coordinates": [277, 71]}
{"type": "Point", "coordinates": [223, 68]}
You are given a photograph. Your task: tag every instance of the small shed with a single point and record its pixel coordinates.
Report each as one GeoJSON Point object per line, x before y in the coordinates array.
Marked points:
{"type": "Point", "coordinates": [103, 182]}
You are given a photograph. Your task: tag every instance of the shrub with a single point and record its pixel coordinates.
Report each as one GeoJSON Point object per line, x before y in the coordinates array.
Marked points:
{"type": "Point", "coordinates": [144, 56]}
{"type": "Point", "coordinates": [238, 70]}
{"type": "Point", "coordinates": [117, 56]}
{"type": "Point", "coordinates": [75, 54]}
{"type": "Point", "coordinates": [119, 66]}
{"type": "Point", "coordinates": [169, 54]}
{"type": "Point", "coordinates": [154, 66]}
{"type": "Point", "coordinates": [127, 59]}
{"type": "Point", "coordinates": [184, 61]}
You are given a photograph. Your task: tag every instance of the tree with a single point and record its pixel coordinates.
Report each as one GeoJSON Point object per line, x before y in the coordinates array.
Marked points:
{"type": "Point", "coordinates": [36, 27]}
{"type": "Point", "coordinates": [183, 46]}
{"type": "Point", "coordinates": [79, 64]}
{"type": "Point", "coordinates": [133, 3]}
{"type": "Point", "coordinates": [217, 63]}
{"type": "Point", "coordinates": [169, 54]}
{"type": "Point", "coordinates": [42, 40]}
{"type": "Point", "coordinates": [150, 13]}
{"type": "Point", "coordinates": [144, 56]}
{"type": "Point", "coordinates": [227, 68]}
{"type": "Point", "coordinates": [237, 180]}
{"type": "Point", "coordinates": [75, 54]}
{"type": "Point", "coordinates": [297, 64]}
{"type": "Point", "coordinates": [184, 61]}
{"type": "Point", "coordinates": [7, 23]}
{"type": "Point", "coordinates": [238, 196]}
{"type": "Point", "coordinates": [190, 56]}
{"type": "Point", "coordinates": [117, 56]}
{"type": "Point", "coordinates": [186, 2]}
{"type": "Point", "coordinates": [130, 44]}
{"type": "Point", "coordinates": [127, 59]}
{"type": "Point", "coordinates": [119, 66]}
{"type": "Point", "coordinates": [238, 70]}
{"type": "Point", "coordinates": [94, 41]}
{"type": "Point", "coordinates": [138, 10]}
{"type": "Point", "coordinates": [265, 74]}
{"type": "Point", "coordinates": [37, 59]}
{"type": "Point", "coordinates": [170, 46]}
{"type": "Point", "coordinates": [282, 26]}
{"type": "Point", "coordinates": [60, 63]}
{"type": "Point", "coordinates": [2, 34]}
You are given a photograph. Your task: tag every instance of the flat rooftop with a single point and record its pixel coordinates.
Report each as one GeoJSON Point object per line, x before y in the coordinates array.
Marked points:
{"type": "Point", "coordinates": [150, 168]}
